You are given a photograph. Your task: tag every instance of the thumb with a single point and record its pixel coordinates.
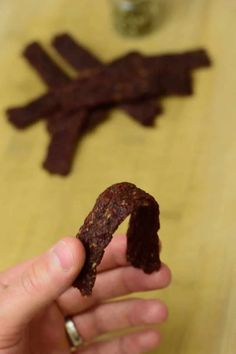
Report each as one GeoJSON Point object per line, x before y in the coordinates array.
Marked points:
{"type": "Point", "coordinates": [41, 283]}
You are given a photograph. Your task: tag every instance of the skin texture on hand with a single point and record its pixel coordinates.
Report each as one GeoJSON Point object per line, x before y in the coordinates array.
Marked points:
{"type": "Point", "coordinates": [36, 297]}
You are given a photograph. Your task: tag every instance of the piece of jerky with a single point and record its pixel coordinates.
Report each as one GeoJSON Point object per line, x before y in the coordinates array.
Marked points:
{"type": "Point", "coordinates": [190, 60]}
{"type": "Point", "coordinates": [43, 106]}
{"type": "Point", "coordinates": [67, 131]}
{"type": "Point", "coordinates": [81, 59]}
{"type": "Point", "coordinates": [65, 127]}
{"type": "Point", "coordinates": [144, 111]}
{"type": "Point", "coordinates": [125, 79]}
{"type": "Point", "coordinates": [111, 208]}
{"type": "Point", "coordinates": [64, 142]}
{"type": "Point", "coordinates": [48, 70]}
{"type": "Point", "coordinates": [59, 121]}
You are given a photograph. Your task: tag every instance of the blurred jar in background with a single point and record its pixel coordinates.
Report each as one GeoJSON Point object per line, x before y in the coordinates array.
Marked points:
{"type": "Point", "coordinates": [134, 17]}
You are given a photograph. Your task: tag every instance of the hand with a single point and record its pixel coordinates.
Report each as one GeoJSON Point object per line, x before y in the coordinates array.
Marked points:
{"type": "Point", "coordinates": [36, 296]}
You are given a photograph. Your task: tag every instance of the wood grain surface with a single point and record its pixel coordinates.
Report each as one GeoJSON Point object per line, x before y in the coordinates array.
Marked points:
{"type": "Point", "coordinates": [187, 161]}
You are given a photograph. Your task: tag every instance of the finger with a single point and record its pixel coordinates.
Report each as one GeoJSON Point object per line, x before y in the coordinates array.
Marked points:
{"type": "Point", "coordinates": [114, 283]}
{"type": "Point", "coordinates": [9, 275]}
{"type": "Point", "coordinates": [135, 343]}
{"type": "Point", "coordinates": [115, 254]}
{"type": "Point", "coordinates": [119, 315]}
{"type": "Point", "coordinates": [41, 283]}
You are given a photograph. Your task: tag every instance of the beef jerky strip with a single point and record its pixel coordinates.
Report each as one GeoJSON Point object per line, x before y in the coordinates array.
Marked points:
{"type": "Point", "coordinates": [48, 70]}
{"type": "Point", "coordinates": [111, 208]}
{"type": "Point", "coordinates": [63, 144]}
{"type": "Point", "coordinates": [80, 58]}
{"type": "Point", "coordinates": [123, 80]}
{"type": "Point", "coordinates": [63, 126]}
{"type": "Point", "coordinates": [190, 60]}
{"type": "Point", "coordinates": [54, 77]}
{"type": "Point", "coordinates": [43, 106]}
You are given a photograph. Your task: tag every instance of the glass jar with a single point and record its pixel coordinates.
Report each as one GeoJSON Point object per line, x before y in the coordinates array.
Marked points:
{"type": "Point", "coordinates": [134, 17]}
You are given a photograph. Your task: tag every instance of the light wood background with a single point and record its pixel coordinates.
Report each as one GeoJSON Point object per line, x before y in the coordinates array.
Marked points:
{"type": "Point", "coordinates": [187, 162]}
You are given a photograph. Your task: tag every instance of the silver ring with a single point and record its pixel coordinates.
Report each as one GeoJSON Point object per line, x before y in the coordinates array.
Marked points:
{"type": "Point", "coordinates": [72, 333]}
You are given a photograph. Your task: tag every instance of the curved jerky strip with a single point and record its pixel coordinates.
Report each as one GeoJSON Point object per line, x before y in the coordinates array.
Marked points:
{"type": "Point", "coordinates": [111, 208]}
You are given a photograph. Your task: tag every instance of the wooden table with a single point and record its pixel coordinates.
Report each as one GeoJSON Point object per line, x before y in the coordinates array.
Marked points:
{"type": "Point", "coordinates": [187, 162]}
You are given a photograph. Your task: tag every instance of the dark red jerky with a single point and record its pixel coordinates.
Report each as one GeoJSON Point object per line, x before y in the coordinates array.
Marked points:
{"type": "Point", "coordinates": [144, 111]}
{"type": "Point", "coordinates": [47, 69]}
{"type": "Point", "coordinates": [63, 144]}
{"type": "Point", "coordinates": [67, 130]}
{"type": "Point", "coordinates": [43, 106]}
{"type": "Point", "coordinates": [190, 60]}
{"type": "Point", "coordinates": [125, 79]}
{"type": "Point", "coordinates": [79, 57]}
{"type": "Point", "coordinates": [60, 120]}
{"type": "Point", "coordinates": [55, 77]}
{"type": "Point", "coordinates": [82, 59]}
{"type": "Point", "coordinates": [111, 208]}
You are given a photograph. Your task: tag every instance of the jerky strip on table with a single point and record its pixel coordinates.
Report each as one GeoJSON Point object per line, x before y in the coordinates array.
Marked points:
{"type": "Point", "coordinates": [66, 126]}
{"type": "Point", "coordinates": [125, 79]}
{"type": "Point", "coordinates": [111, 208]}
{"type": "Point", "coordinates": [74, 53]}
{"type": "Point", "coordinates": [190, 60]}
{"type": "Point", "coordinates": [48, 70]}
{"type": "Point", "coordinates": [43, 106]}
{"type": "Point", "coordinates": [81, 58]}
{"type": "Point", "coordinates": [55, 77]}
{"type": "Point", "coordinates": [63, 144]}
{"type": "Point", "coordinates": [58, 121]}
{"type": "Point", "coordinates": [66, 130]}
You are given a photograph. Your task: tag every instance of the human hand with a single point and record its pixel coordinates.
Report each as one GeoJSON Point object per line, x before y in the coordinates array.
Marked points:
{"type": "Point", "coordinates": [36, 297]}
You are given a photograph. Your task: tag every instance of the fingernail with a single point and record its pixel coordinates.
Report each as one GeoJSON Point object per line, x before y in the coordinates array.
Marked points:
{"type": "Point", "coordinates": [63, 255]}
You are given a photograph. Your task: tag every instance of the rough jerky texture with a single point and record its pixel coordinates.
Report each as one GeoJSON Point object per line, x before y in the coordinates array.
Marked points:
{"type": "Point", "coordinates": [80, 58]}
{"type": "Point", "coordinates": [47, 69]}
{"type": "Point", "coordinates": [73, 106]}
{"type": "Point", "coordinates": [23, 117]}
{"type": "Point", "coordinates": [125, 79]}
{"type": "Point", "coordinates": [66, 128]}
{"type": "Point", "coordinates": [111, 208]}
{"type": "Point", "coordinates": [62, 147]}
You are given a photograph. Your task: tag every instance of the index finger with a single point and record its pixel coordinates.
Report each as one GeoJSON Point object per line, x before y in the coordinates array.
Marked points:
{"type": "Point", "coordinates": [115, 254]}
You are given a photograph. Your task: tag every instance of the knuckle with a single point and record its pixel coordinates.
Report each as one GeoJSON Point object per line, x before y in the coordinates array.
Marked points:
{"type": "Point", "coordinates": [126, 281]}
{"type": "Point", "coordinates": [99, 323]}
{"type": "Point", "coordinates": [31, 280]}
{"type": "Point", "coordinates": [127, 345]}
{"type": "Point", "coordinates": [135, 312]}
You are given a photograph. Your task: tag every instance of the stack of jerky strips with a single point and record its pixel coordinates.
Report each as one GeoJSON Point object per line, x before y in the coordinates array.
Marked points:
{"type": "Point", "coordinates": [133, 82]}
